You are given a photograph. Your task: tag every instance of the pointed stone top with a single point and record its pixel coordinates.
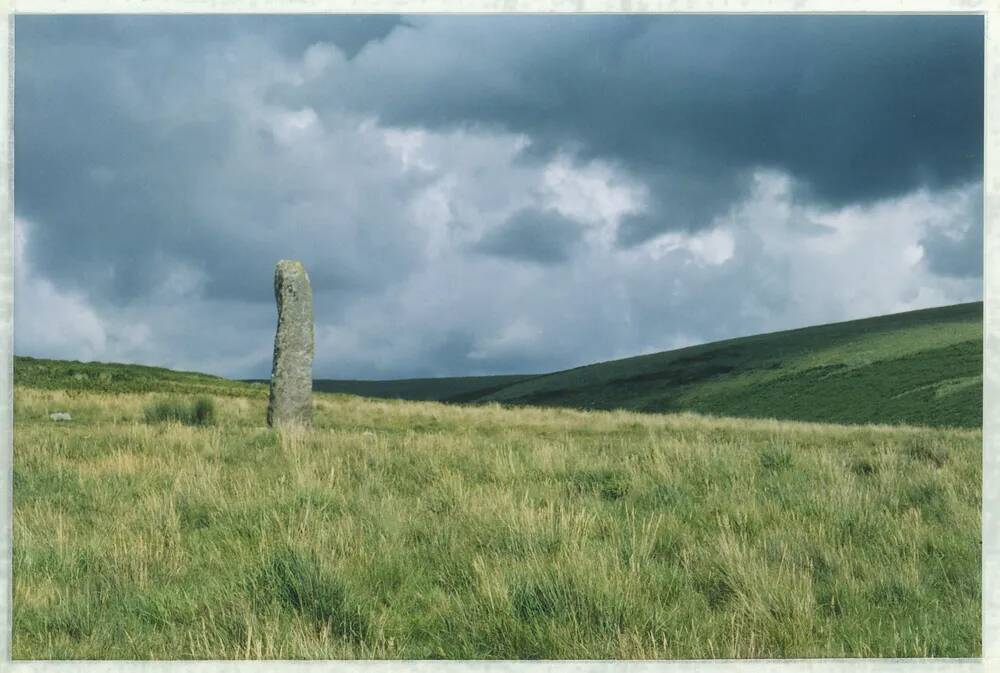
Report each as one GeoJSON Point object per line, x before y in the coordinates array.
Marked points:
{"type": "Point", "coordinates": [290, 265]}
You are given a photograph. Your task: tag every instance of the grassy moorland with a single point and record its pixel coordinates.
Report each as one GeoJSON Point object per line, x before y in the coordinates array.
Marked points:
{"type": "Point", "coordinates": [920, 367]}
{"type": "Point", "coordinates": [82, 377]}
{"type": "Point", "coordinates": [419, 530]}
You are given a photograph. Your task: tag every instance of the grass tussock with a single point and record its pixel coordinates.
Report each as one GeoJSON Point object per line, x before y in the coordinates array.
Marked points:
{"type": "Point", "coordinates": [199, 412]}
{"type": "Point", "coordinates": [420, 530]}
{"type": "Point", "coordinates": [289, 579]}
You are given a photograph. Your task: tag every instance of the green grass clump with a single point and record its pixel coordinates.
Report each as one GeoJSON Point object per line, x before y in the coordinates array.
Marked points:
{"type": "Point", "coordinates": [294, 580]}
{"type": "Point", "coordinates": [405, 530]}
{"type": "Point", "coordinates": [199, 412]}
{"type": "Point", "coordinates": [203, 411]}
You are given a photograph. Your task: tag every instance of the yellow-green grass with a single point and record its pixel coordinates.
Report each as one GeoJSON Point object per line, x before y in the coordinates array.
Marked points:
{"type": "Point", "coordinates": [420, 530]}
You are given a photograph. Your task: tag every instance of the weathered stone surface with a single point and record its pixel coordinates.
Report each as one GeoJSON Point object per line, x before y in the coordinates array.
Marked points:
{"type": "Point", "coordinates": [291, 375]}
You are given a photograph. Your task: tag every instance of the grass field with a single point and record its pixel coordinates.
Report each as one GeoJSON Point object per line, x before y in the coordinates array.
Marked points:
{"type": "Point", "coordinates": [420, 530]}
{"type": "Point", "coordinates": [920, 367]}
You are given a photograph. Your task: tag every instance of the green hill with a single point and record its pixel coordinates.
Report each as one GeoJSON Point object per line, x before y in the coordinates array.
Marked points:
{"type": "Point", "coordinates": [107, 377]}
{"type": "Point", "coordinates": [919, 367]}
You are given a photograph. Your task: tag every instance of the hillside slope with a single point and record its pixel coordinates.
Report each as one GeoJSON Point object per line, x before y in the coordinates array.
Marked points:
{"type": "Point", "coordinates": [108, 377]}
{"type": "Point", "coordinates": [425, 390]}
{"type": "Point", "coordinates": [919, 367]}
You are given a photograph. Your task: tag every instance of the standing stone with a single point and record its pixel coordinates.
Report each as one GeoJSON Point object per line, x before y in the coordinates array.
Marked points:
{"type": "Point", "coordinates": [291, 375]}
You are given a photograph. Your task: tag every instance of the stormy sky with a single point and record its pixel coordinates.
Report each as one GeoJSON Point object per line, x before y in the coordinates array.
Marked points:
{"type": "Point", "coordinates": [486, 194]}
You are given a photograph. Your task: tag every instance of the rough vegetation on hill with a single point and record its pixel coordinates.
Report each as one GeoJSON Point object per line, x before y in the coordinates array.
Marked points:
{"type": "Point", "coordinates": [103, 377]}
{"type": "Point", "coordinates": [921, 367]}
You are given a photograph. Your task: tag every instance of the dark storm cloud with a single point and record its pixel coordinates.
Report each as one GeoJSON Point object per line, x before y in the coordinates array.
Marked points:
{"type": "Point", "coordinates": [534, 235]}
{"type": "Point", "coordinates": [857, 108]}
{"type": "Point", "coordinates": [125, 142]}
{"type": "Point", "coordinates": [291, 33]}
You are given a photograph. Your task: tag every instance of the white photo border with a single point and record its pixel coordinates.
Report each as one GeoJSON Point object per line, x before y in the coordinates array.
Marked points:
{"type": "Point", "coordinates": [990, 659]}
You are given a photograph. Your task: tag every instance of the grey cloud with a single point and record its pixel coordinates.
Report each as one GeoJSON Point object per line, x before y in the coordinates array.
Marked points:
{"type": "Point", "coordinates": [291, 33]}
{"type": "Point", "coordinates": [152, 147]}
{"type": "Point", "coordinates": [857, 108]}
{"type": "Point", "coordinates": [134, 156]}
{"type": "Point", "coordinates": [542, 236]}
{"type": "Point", "coordinates": [957, 249]}
{"type": "Point", "coordinates": [961, 258]}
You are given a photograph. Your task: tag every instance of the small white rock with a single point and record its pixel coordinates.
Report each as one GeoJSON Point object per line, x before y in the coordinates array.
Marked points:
{"type": "Point", "coordinates": [60, 416]}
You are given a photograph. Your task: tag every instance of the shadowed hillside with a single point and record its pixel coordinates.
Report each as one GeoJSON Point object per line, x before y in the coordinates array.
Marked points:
{"type": "Point", "coordinates": [920, 367]}
{"type": "Point", "coordinates": [441, 389]}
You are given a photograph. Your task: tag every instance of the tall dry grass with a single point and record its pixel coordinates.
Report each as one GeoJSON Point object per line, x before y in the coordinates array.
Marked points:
{"type": "Point", "coordinates": [419, 530]}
